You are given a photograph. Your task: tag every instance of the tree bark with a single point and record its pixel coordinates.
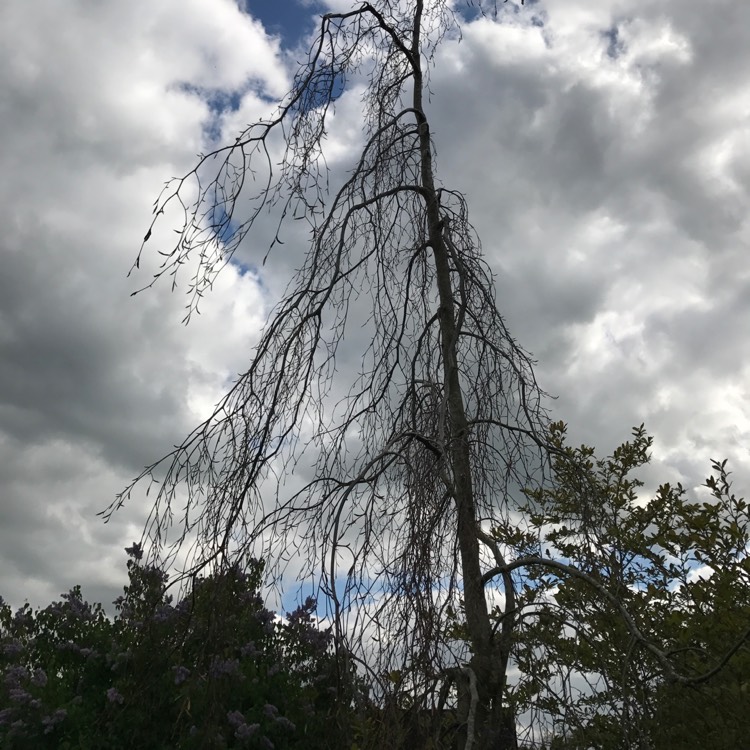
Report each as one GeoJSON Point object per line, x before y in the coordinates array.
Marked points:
{"type": "Point", "coordinates": [489, 687]}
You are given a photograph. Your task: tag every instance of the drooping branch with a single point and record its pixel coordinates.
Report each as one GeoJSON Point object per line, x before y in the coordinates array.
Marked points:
{"type": "Point", "coordinates": [662, 657]}
{"type": "Point", "coordinates": [364, 461]}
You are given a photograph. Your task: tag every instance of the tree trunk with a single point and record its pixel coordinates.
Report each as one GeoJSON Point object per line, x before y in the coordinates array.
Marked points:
{"type": "Point", "coordinates": [490, 718]}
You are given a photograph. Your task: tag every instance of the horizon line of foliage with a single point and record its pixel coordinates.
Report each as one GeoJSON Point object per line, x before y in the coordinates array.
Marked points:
{"type": "Point", "coordinates": [220, 670]}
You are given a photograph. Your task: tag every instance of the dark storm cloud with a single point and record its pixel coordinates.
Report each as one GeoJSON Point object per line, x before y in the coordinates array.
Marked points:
{"type": "Point", "coordinates": [613, 209]}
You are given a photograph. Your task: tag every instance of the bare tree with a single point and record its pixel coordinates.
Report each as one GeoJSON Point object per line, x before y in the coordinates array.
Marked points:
{"type": "Point", "coordinates": [412, 461]}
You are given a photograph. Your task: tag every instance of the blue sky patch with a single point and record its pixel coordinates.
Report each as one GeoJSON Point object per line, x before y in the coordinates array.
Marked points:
{"type": "Point", "coordinates": [288, 19]}
{"type": "Point", "coordinates": [615, 45]}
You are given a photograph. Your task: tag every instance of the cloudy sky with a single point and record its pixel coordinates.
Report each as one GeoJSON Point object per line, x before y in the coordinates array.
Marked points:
{"type": "Point", "coordinates": [605, 151]}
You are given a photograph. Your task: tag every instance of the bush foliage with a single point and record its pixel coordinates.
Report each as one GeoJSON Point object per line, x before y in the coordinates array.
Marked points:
{"type": "Point", "coordinates": [216, 670]}
{"type": "Point", "coordinates": [627, 620]}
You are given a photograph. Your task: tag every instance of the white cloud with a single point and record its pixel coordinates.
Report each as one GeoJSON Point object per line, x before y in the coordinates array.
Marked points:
{"type": "Point", "coordinates": [95, 383]}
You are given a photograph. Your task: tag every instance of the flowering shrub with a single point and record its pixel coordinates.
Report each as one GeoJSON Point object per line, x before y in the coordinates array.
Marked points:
{"type": "Point", "coordinates": [216, 670]}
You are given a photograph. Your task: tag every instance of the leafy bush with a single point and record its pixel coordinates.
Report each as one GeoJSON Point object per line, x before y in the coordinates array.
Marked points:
{"type": "Point", "coordinates": [216, 670]}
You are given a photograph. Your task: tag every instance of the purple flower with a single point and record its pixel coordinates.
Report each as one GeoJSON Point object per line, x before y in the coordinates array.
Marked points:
{"type": "Point", "coordinates": [39, 678]}
{"type": "Point", "coordinates": [15, 675]}
{"type": "Point", "coordinates": [220, 667]}
{"type": "Point", "coordinates": [249, 649]}
{"type": "Point", "coordinates": [246, 731]}
{"type": "Point", "coordinates": [113, 696]}
{"type": "Point", "coordinates": [19, 695]}
{"type": "Point", "coordinates": [180, 674]}
{"type": "Point", "coordinates": [117, 660]}
{"type": "Point", "coordinates": [126, 609]}
{"type": "Point", "coordinates": [235, 718]}
{"type": "Point", "coordinates": [23, 615]}
{"type": "Point", "coordinates": [12, 647]}
{"type": "Point", "coordinates": [50, 722]}
{"type": "Point", "coordinates": [74, 648]}
{"type": "Point", "coordinates": [266, 619]}
{"type": "Point", "coordinates": [5, 715]}
{"type": "Point", "coordinates": [56, 609]}
{"type": "Point", "coordinates": [270, 710]}
{"type": "Point", "coordinates": [283, 722]}
{"type": "Point", "coordinates": [303, 623]}
{"type": "Point", "coordinates": [77, 607]}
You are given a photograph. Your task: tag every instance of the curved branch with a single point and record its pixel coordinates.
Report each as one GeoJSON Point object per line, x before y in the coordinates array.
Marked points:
{"type": "Point", "coordinates": [661, 656]}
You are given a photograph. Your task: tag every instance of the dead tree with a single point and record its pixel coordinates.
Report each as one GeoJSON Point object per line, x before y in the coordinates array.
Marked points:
{"type": "Point", "coordinates": [414, 456]}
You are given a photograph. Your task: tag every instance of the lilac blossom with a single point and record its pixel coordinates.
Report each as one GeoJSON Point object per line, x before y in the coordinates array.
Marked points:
{"type": "Point", "coordinates": [15, 675]}
{"type": "Point", "coordinates": [50, 722]}
{"type": "Point", "coordinates": [119, 659]}
{"type": "Point", "coordinates": [39, 678]}
{"type": "Point", "coordinates": [235, 718]}
{"type": "Point", "coordinates": [77, 607]}
{"type": "Point", "coordinates": [73, 647]}
{"type": "Point", "coordinates": [114, 696]}
{"type": "Point", "coordinates": [285, 723]}
{"type": "Point", "coordinates": [270, 710]}
{"type": "Point", "coordinates": [19, 695]}
{"type": "Point", "coordinates": [12, 647]}
{"type": "Point", "coordinates": [23, 616]}
{"type": "Point", "coordinates": [220, 667]}
{"type": "Point", "coordinates": [246, 731]}
{"type": "Point", "coordinates": [303, 622]}
{"type": "Point", "coordinates": [180, 674]}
